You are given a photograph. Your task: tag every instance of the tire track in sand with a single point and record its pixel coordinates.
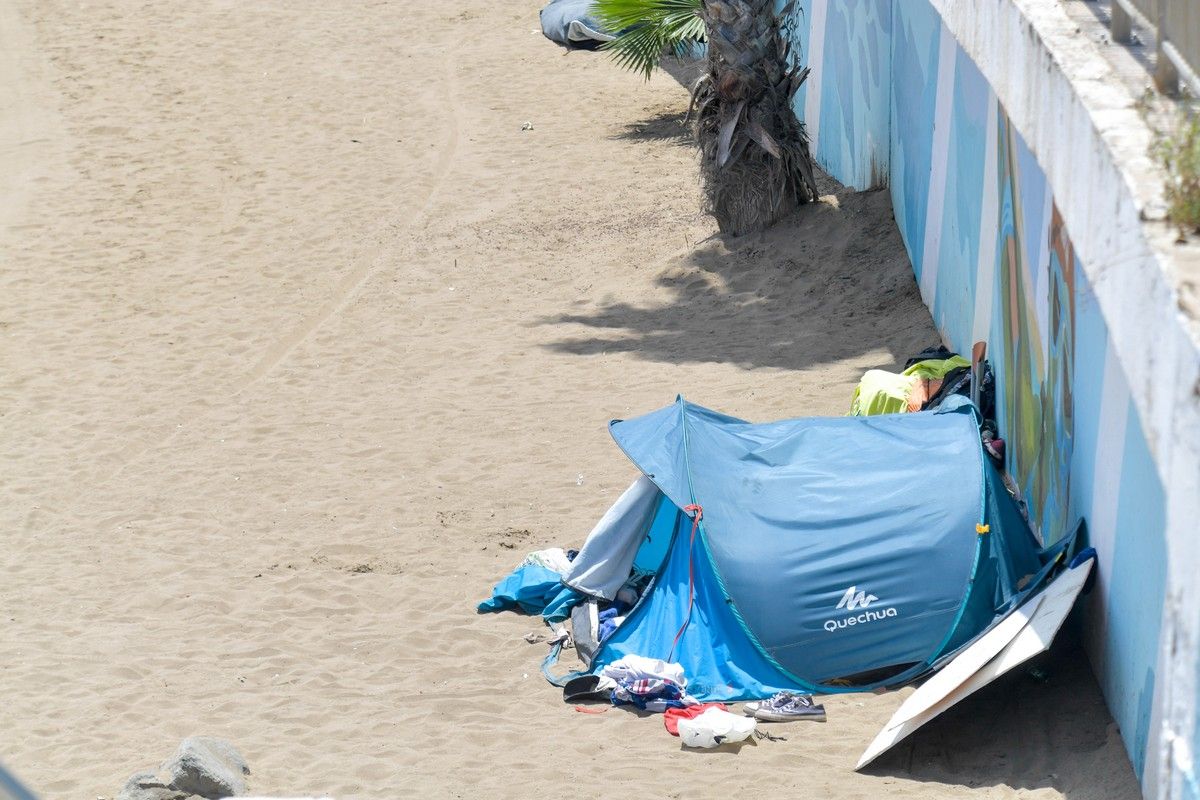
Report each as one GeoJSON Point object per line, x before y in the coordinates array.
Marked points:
{"type": "Point", "coordinates": [349, 285]}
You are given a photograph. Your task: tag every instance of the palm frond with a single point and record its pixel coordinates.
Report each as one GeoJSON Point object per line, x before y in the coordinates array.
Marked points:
{"type": "Point", "coordinates": [646, 29]}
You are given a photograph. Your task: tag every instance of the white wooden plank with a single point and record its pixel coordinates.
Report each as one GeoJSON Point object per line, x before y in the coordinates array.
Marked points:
{"type": "Point", "coordinates": [968, 662]}
{"type": "Point", "coordinates": [1035, 637]}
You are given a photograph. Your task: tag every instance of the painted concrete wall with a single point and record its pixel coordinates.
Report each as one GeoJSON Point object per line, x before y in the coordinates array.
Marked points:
{"type": "Point", "coordinates": [896, 99]}
{"type": "Point", "coordinates": [850, 98]}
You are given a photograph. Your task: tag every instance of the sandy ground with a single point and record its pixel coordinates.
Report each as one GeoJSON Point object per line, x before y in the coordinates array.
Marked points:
{"type": "Point", "coordinates": [305, 341]}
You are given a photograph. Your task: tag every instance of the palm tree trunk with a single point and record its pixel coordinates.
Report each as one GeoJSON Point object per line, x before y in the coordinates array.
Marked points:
{"type": "Point", "coordinates": [755, 160]}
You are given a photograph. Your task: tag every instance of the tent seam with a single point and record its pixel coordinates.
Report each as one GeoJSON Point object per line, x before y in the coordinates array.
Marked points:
{"type": "Point", "coordinates": [962, 603]}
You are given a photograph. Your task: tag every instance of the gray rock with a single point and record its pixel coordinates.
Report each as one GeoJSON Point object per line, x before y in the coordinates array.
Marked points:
{"type": "Point", "coordinates": [149, 786]}
{"type": "Point", "coordinates": [208, 767]}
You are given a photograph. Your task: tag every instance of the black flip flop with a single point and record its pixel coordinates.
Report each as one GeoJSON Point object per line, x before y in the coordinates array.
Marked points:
{"type": "Point", "coordinates": [585, 687]}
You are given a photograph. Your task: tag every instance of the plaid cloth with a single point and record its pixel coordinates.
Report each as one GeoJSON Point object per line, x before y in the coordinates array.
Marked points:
{"type": "Point", "coordinates": [648, 683]}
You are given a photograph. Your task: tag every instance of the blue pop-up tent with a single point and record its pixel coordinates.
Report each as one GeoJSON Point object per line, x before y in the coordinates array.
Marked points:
{"type": "Point", "coordinates": [815, 554]}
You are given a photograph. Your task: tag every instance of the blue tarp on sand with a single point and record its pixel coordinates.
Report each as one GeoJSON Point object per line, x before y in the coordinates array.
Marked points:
{"type": "Point", "coordinates": [570, 22]}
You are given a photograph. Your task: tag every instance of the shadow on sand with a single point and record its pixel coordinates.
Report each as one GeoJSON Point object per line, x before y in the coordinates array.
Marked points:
{"type": "Point", "coordinates": [1043, 725]}
{"type": "Point", "coordinates": [831, 282]}
{"type": "Point", "coordinates": [669, 126]}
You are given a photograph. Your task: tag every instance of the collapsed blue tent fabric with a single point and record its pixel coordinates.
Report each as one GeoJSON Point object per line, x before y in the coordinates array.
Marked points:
{"type": "Point", "coordinates": [558, 607]}
{"type": "Point", "coordinates": [831, 554]}
{"type": "Point", "coordinates": [534, 590]}
{"type": "Point", "coordinates": [529, 587]}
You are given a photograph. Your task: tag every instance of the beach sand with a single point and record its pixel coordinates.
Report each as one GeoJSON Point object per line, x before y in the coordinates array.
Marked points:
{"type": "Point", "coordinates": [305, 342]}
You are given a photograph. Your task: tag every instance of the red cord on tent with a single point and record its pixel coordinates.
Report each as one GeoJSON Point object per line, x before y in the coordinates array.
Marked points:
{"type": "Point", "coordinates": [697, 514]}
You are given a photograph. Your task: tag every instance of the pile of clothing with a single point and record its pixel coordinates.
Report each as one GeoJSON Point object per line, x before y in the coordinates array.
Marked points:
{"type": "Point", "coordinates": [611, 613]}
{"type": "Point", "coordinates": [648, 683]}
{"type": "Point", "coordinates": [659, 686]}
{"type": "Point", "coordinates": [928, 379]}
{"type": "Point", "coordinates": [920, 384]}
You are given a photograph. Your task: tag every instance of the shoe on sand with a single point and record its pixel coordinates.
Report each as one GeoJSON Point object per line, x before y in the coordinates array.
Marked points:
{"type": "Point", "coordinates": [786, 707]}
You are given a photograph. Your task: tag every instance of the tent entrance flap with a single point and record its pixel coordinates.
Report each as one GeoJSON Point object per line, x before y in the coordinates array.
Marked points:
{"type": "Point", "coordinates": [611, 549]}
{"type": "Point", "coordinates": [721, 662]}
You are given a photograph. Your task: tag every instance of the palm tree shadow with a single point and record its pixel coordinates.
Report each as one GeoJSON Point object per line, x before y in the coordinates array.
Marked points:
{"type": "Point", "coordinates": [668, 126]}
{"type": "Point", "coordinates": [829, 283]}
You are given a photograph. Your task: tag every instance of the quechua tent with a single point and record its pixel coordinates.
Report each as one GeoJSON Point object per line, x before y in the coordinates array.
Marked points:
{"type": "Point", "coordinates": [814, 554]}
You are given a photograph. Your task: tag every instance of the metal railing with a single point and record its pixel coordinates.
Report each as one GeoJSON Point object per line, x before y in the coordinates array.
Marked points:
{"type": "Point", "coordinates": [1176, 24]}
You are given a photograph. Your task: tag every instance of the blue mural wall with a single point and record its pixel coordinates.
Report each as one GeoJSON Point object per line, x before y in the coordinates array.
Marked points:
{"type": "Point", "coordinates": [851, 102]}
{"type": "Point", "coordinates": [893, 100]}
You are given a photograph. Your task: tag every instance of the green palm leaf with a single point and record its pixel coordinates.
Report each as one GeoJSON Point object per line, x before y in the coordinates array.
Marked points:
{"type": "Point", "coordinates": [645, 29]}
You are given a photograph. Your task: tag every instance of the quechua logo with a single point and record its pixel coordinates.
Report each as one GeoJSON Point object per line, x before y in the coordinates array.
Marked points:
{"type": "Point", "coordinates": [852, 600]}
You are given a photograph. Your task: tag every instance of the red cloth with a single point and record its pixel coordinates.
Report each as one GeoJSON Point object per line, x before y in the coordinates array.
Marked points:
{"type": "Point", "coordinates": [672, 716]}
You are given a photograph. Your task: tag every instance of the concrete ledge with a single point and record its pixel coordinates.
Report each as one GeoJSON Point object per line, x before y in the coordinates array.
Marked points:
{"type": "Point", "coordinates": [1083, 127]}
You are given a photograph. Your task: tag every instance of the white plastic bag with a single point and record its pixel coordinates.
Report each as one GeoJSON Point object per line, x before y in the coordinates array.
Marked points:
{"type": "Point", "coordinates": [715, 727]}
